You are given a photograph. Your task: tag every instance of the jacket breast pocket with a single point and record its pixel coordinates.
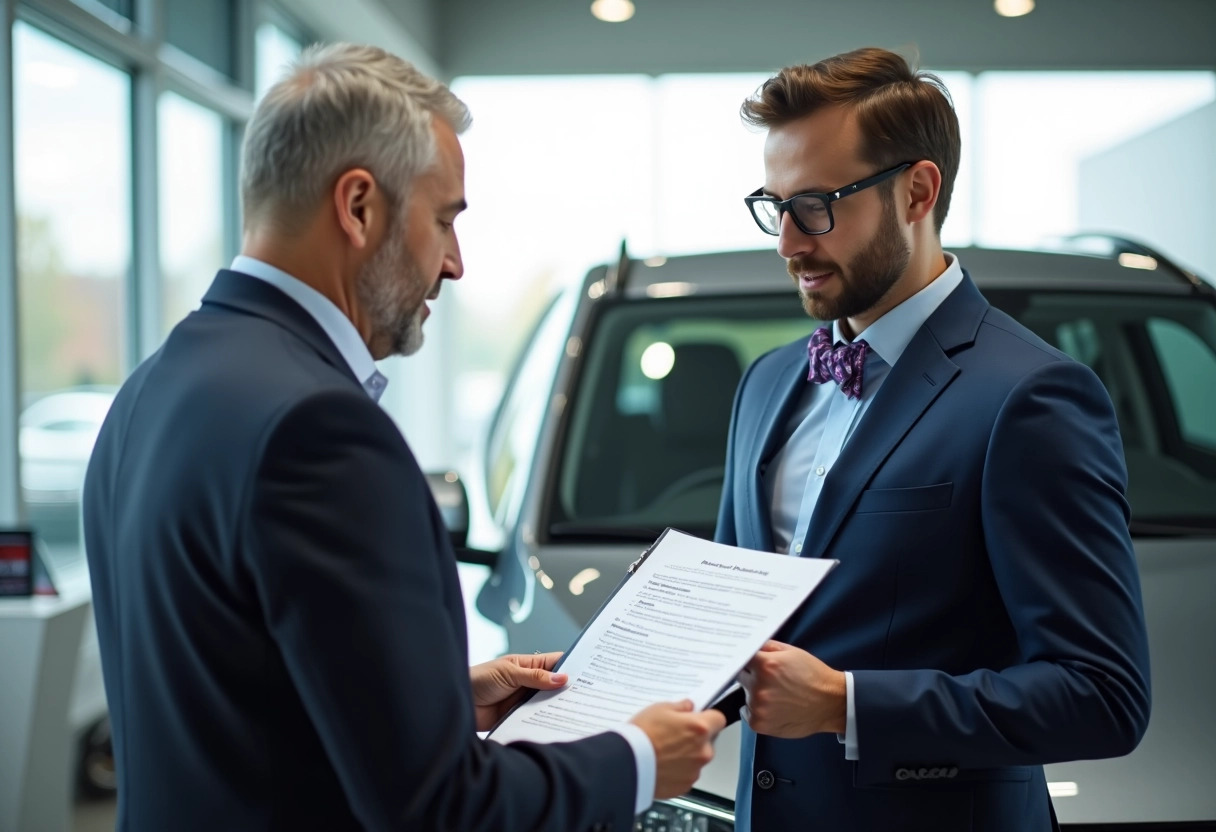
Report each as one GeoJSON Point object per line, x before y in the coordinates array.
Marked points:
{"type": "Point", "coordinates": [919, 498]}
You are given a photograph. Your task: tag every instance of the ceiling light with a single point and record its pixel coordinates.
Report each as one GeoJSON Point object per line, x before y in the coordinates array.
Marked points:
{"type": "Point", "coordinates": [1014, 8]}
{"type": "Point", "coordinates": [612, 11]}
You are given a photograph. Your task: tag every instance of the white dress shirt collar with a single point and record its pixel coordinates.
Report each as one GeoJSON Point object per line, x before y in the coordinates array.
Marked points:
{"type": "Point", "coordinates": [328, 316]}
{"type": "Point", "coordinates": [889, 336]}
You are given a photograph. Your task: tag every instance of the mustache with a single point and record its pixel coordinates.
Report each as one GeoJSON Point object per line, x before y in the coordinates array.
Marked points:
{"type": "Point", "coordinates": [802, 265]}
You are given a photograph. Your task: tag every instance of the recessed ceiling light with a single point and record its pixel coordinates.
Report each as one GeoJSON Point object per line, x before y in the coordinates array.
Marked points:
{"type": "Point", "coordinates": [612, 11]}
{"type": "Point", "coordinates": [1014, 8]}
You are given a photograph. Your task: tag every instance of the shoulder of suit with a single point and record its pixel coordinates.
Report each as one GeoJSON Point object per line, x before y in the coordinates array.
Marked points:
{"type": "Point", "coordinates": [1003, 330]}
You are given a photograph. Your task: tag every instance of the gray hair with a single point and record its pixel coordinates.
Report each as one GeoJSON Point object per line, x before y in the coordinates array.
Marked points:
{"type": "Point", "coordinates": [339, 107]}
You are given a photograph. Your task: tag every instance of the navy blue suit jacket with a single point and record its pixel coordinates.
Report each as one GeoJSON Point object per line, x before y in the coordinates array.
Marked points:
{"type": "Point", "coordinates": [987, 599]}
{"type": "Point", "coordinates": [281, 623]}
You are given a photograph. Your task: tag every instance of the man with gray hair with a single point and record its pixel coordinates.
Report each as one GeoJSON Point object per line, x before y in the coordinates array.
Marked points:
{"type": "Point", "coordinates": [280, 618]}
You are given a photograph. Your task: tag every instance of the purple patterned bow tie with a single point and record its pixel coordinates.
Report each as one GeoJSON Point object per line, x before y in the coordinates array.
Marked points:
{"type": "Point", "coordinates": [843, 364]}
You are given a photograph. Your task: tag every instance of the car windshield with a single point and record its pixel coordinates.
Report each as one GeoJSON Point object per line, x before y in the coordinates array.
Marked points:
{"type": "Point", "coordinates": [645, 443]}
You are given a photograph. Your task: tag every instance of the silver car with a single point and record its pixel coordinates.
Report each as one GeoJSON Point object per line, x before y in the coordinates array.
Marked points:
{"type": "Point", "coordinates": [613, 427]}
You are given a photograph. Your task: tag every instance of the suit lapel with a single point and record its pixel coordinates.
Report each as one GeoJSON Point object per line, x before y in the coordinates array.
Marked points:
{"type": "Point", "coordinates": [914, 383]}
{"type": "Point", "coordinates": [788, 379]}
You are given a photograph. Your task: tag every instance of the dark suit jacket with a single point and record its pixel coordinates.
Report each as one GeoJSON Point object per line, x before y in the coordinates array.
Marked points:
{"type": "Point", "coordinates": [987, 599]}
{"type": "Point", "coordinates": [281, 624]}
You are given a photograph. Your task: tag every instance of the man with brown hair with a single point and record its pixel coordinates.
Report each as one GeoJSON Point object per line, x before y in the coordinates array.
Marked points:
{"type": "Point", "coordinates": [985, 618]}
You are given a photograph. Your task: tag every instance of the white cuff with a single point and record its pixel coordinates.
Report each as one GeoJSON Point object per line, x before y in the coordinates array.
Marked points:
{"type": "Point", "coordinates": [643, 753]}
{"type": "Point", "coordinates": [851, 751]}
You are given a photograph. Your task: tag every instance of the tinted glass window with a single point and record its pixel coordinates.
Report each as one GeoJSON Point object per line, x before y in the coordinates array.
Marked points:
{"type": "Point", "coordinates": [646, 440]}
{"type": "Point", "coordinates": [647, 437]}
{"type": "Point", "coordinates": [204, 29]}
{"type": "Point", "coordinates": [1189, 367]}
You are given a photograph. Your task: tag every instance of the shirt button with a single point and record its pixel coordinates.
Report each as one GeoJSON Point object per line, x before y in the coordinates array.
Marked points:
{"type": "Point", "coordinates": [820, 471]}
{"type": "Point", "coordinates": [765, 779]}
{"type": "Point", "coordinates": [798, 548]}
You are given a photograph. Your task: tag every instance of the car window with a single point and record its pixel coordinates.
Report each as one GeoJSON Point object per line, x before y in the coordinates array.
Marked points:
{"type": "Point", "coordinates": [1189, 367]}
{"type": "Point", "coordinates": [645, 442]}
{"type": "Point", "coordinates": [514, 432]}
{"type": "Point", "coordinates": [1157, 358]}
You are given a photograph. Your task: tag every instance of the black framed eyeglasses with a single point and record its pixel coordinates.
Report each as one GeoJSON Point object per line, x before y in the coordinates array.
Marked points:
{"type": "Point", "coordinates": [812, 212]}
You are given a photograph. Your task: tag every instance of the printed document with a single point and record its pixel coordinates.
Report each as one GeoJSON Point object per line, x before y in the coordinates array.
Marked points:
{"type": "Point", "coordinates": [683, 625]}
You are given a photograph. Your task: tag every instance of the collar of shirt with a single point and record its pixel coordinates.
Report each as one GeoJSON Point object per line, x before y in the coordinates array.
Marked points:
{"type": "Point", "coordinates": [888, 337]}
{"type": "Point", "coordinates": [328, 316]}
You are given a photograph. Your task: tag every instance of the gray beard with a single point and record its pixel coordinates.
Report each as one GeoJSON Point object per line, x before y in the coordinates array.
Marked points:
{"type": "Point", "coordinates": [390, 289]}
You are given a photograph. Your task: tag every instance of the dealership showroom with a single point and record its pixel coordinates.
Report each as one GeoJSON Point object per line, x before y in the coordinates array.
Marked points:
{"type": "Point", "coordinates": [350, 345]}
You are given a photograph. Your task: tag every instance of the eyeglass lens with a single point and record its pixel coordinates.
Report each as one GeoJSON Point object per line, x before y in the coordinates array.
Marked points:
{"type": "Point", "coordinates": [810, 211]}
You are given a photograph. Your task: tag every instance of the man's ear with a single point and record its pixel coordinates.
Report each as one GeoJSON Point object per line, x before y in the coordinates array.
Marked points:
{"type": "Point", "coordinates": [358, 203]}
{"type": "Point", "coordinates": [924, 186]}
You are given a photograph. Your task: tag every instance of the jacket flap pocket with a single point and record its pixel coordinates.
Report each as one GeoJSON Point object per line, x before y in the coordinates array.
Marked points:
{"type": "Point", "coordinates": [919, 498]}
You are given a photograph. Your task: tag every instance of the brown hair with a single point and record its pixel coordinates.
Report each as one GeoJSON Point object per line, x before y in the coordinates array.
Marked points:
{"type": "Point", "coordinates": [905, 115]}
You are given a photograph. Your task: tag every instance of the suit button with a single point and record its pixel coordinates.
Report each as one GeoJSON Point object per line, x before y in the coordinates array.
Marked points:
{"type": "Point", "coordinates": [765, 779]}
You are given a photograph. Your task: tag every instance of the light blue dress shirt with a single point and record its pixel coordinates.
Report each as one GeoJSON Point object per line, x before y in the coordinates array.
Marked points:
{"type": "Point", "coordinates": [357, 356]}
{"type": "Point", "coordinates": [824, 420]}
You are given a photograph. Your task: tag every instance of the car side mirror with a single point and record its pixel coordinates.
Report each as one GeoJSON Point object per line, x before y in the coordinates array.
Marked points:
{"type": "Point", "coordinates": [453, 500]}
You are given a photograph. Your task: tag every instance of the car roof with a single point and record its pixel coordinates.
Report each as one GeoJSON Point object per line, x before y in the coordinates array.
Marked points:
{"type": "Point", "coordinates": [763, 271]}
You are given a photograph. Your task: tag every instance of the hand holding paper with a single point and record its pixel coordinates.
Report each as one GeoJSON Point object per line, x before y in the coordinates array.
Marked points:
{"type": "Point", "coordinates": [683, 743]}
{"type": "Point", "coordinates": [681, 626]}
{"type": "Point", "coordinates": [791, 694]}
{"type": "Point", "coordinates": [500, 684]}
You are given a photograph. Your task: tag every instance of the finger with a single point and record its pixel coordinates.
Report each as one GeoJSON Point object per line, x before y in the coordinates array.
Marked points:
{"type": "Point", "coordinates": [773, 647]}
{"type": "Point", "coordinates": [538, 678]}
{"type": "Point", "coordinates": [550, 659]}
{"type": "Point", "coordinates": [715, 721]}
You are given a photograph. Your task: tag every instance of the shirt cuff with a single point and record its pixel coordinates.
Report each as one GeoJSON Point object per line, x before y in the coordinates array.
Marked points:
{"type": "Point", "coordinates": [851, 751]}
{"type": "Point", "coordinates": [643, 753]}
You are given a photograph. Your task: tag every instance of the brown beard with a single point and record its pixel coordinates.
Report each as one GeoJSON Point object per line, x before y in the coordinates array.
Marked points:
{"type": "Point", "coordinates": [868, 277]}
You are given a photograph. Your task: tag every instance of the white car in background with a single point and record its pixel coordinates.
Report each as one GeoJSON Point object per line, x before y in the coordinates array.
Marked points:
{"type": "Point", "coordinates": [57, 432]}
{"type": "Point", "coordinates": [57, 435]}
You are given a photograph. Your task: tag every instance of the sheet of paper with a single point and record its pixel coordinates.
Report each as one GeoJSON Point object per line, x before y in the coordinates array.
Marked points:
{"type": "Point", "coordinates": [682, 626]}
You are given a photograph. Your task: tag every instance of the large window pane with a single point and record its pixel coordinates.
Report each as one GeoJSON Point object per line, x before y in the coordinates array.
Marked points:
{"type": "Point", "coordinates": [275, 49]}
{"type": "Point", "coordinates": [73, 177]}
{"type": "Point", "coordinates": [545, 201]}
{"type": "Point", "coordinates": [191, 203]}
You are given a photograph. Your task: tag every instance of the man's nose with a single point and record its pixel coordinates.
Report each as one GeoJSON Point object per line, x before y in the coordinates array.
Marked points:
{"type": "Point", "coordinates": [792, 240]}
{"type": "Point", "coordinates": [453, 265]}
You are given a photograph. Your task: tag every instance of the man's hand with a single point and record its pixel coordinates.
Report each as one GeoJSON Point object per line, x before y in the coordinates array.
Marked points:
{"type": "Point", "coordinates": [791, 694]}
{"type": "Point", "coordinates": [499, 684]}
{"type": "Point", "coordinates": [683, 743]}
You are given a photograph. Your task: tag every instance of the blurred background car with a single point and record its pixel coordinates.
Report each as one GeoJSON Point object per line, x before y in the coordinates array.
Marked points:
{"type": "Point", "coordinates": [56, 436]}
{"type": "Point", "coordinates": [57, 431]}
{"type": "Point", "coordinates": [613, 427]}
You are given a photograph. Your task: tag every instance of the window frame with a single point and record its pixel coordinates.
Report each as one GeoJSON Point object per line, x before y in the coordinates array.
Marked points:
{"type": "Point", "coordinates": [136, 47]}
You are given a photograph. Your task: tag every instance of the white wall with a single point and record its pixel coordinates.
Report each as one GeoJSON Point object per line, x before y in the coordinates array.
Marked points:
{"type": "Point", "coordinates": [1159, 188]}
